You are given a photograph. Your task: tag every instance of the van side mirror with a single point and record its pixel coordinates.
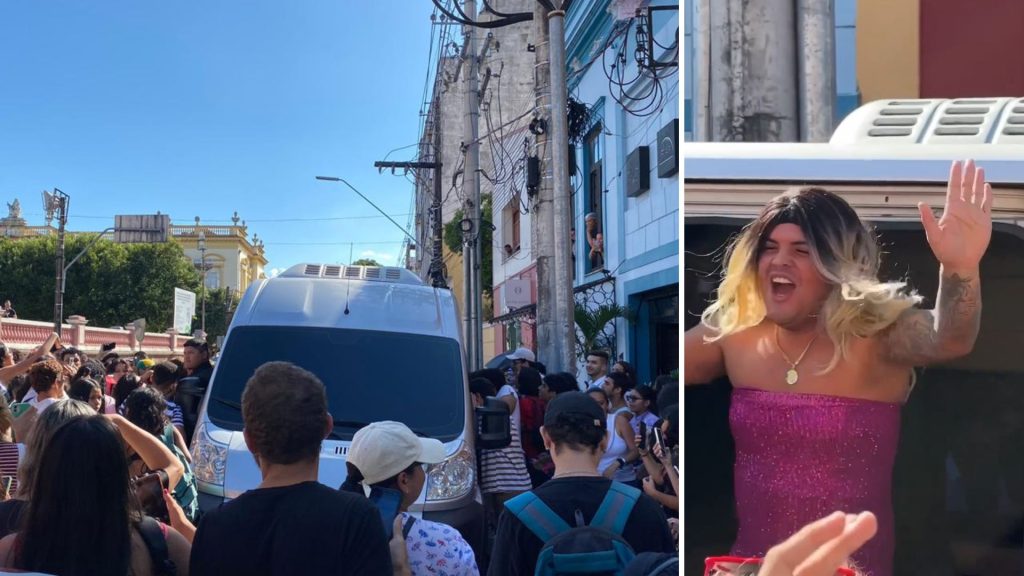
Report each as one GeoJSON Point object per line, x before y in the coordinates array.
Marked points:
{"type": "Point", "coordinates": [493, 427]}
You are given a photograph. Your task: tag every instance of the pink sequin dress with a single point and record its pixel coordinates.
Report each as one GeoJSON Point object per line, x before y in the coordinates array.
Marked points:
{"type": "Point", "coordinates": [803, 456]}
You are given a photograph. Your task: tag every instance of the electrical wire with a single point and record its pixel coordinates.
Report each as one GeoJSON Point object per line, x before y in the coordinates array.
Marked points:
{"type": "Point", "coordinates": [462, 18]}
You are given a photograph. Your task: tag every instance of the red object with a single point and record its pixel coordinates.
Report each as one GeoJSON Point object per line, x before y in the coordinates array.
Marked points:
{"type": "Point", "coordinates": [967, 48]}
{"type": "Point", "coordinates": [726, 566]}
{"type": "Point", "coordinates": [531, 418]}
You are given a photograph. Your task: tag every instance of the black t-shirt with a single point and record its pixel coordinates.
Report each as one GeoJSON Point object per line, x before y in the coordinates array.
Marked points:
{"type": "Point", "coordinates": [203, 372]}
{"type": "Point", "coordinates": [306, 528]}
{"type": "Point", "coordinates": [10, 516]}
{"type": "Point", "coordinates": [516, 548]}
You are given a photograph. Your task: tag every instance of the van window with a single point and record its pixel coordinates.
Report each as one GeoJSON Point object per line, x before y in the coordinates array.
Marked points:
{"type": "Point", "coordinates": [369, 375]}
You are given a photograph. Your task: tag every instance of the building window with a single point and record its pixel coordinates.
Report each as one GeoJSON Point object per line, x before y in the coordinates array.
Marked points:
{"type": "Point", "coordinates": [593, 200]}
{"type": "Point", "coordinates": [510, 228]}
{"type": "Point", "coordinates": [212, 279]}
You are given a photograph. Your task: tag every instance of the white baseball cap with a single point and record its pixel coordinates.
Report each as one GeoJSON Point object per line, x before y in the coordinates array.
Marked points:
{"type": "Point", "coordinates": [522, 354]}
{"type": "Point", "coordinates": [383, 449]}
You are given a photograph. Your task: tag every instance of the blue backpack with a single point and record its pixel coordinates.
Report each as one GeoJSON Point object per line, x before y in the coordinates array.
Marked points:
{"type": "Point", "coordinates": [595, 549]}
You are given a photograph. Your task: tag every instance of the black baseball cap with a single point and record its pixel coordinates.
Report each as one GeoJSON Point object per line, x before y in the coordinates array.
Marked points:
{"type": "Point", "coordinates": [577, 404]}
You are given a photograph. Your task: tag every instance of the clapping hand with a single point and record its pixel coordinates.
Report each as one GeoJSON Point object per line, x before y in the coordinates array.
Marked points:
{"type": "Point", "coordinates": [960, 237]}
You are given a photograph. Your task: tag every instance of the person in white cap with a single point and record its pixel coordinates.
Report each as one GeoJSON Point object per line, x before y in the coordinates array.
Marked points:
{"type": "Point", "coordinates": [521, 357]}
{"type": "Point", "coordinates": [389, 455]}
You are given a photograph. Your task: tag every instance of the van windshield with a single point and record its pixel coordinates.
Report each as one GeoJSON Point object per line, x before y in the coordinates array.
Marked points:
{"type": "Point", "coordinates": [369, 375]}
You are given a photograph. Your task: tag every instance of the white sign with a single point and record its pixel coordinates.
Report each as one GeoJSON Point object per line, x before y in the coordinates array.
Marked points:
{"type": "Point", "coordinates": [184, 310]}
{"type": "Point", "coordinates": [516, 292]}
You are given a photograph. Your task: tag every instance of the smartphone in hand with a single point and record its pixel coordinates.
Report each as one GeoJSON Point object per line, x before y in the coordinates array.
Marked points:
{"type": "Point", "coordinates": [658, 440]}
{"type": "Point", "coordinates": [387, 502]}
{"type": "Point", "coordinates": [19, 408]}
{"type": "Point", "coordinates": [643, 436]}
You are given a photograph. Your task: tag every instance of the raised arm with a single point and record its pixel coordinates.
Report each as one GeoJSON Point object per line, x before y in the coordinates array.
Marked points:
{"type": "Point", "coordinates": [150, 449]}
{"type": "Point", "coordinates": [959, 240]}
{"type": "Point", "coordinates": [6, 374]}
{"type": "Point", "coordinates": [922, 337]}
{"type": "Point", "coordinates": [703, 361]}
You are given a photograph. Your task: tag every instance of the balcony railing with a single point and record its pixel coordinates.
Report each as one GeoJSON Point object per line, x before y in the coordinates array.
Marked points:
{"type": "Point", "coordinates": [220, 231]}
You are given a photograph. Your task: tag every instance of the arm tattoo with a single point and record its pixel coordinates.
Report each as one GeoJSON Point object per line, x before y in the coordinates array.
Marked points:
{"type": "Point", "coordinates": [924, 336]}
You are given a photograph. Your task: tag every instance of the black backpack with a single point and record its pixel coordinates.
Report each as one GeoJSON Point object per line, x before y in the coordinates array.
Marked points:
{"type": "Point", "coordinates": [597, 548]}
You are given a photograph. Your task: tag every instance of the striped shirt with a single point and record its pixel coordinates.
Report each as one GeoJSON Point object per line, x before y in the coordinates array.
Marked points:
{"type": "Point", "coordinates": [9, 463]}
{"type": "Point", "coordinates": [504, 470]}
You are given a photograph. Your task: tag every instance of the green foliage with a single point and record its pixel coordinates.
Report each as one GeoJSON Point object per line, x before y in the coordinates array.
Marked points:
{"type": "Point", "coordinates": [452, 236]}
{"type": "Point", "coordinates": [591, 322]}
{"type": "Point", "coordinates": [220, 309]}
{"type": "Point", "coordinates": [366, 262]}
{"type": "Point", "coordinates": [111, 285]}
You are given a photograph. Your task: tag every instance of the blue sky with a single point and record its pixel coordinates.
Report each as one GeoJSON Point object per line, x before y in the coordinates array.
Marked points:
{"type": "Point", "coordinates": [204, 108]}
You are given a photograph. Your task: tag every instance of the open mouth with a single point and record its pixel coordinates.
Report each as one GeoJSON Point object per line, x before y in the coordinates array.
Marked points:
{"type": "Point", "coordinates": [781, 288]}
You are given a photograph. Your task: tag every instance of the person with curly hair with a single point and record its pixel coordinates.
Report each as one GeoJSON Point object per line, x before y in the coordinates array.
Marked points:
{"type": "Point", "coordinates": [146, 408]}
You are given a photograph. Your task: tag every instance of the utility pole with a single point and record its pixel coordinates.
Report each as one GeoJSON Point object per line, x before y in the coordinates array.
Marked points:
{"type": "Point", "coordinates": [767, 70]}
{"type": "Point", "coordinates": [816, 50]}
{"type": "Point", "coordinates": [471, 203]}
{"type": "Point", "coordinates": [436, 260]}
{"type": "Point", "coordinates": [753, 83]}
{"type": "Point", "coordinates": [565, 347]}
{"type": "Point", "coordinates": [543, 210]}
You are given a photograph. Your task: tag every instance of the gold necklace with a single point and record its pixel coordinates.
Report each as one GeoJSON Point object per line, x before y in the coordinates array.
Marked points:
{"type": "Point", "coordinates": [791, 375]}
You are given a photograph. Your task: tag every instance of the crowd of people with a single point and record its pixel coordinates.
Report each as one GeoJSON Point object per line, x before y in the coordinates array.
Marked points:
{"type": "Point", "coordinates": [104, 442]}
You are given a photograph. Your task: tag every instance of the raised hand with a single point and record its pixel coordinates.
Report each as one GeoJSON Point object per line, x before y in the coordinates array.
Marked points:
{"type": "Point", "coordinates": [960, 237]}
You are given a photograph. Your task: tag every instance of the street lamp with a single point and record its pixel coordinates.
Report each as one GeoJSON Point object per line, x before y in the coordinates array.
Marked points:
{"type": "Point", "coordinates": [56, 204]}
{"type": "Point", "coordinates": [368, 201]}
{"type": "Point", "coordinates": [202, 263]}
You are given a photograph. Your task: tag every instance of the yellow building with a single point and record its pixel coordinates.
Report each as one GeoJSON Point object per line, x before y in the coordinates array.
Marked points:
{"type": "Point", "coordinates": [231, 258]}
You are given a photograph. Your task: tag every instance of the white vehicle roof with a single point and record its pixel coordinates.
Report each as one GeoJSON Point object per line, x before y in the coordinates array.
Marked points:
{"type": "Point", "coordinates": [316, 295]}
{"type": "Point", "coordinates": [898, 141]}
{"type": "Point", "coordinates": [909, 163]}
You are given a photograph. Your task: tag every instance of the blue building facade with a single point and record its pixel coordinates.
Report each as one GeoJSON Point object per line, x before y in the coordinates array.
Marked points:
{"type": "Point", "coordinates": [626, 187]}
{"type": "Point", "coordinates": [848, 96]}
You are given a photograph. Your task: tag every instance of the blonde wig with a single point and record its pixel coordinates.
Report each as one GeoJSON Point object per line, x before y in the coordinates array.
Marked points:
{"type": "Point", "coordinates": [845, 253]}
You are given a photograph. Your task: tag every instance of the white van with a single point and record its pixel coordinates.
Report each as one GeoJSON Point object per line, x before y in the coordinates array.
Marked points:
{"type": "Point", "coordinates": [959, 477]}
{"type": "Point", "coordinates": [385, 345]}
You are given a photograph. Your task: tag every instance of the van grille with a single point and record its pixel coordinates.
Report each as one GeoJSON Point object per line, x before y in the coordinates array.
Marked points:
{"type": "Point", "coordinates": [334, 271]}
{"type": "Point", "coordinates": [312, 270]}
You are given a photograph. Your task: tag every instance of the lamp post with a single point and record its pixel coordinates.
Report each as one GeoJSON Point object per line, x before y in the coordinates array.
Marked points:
{"type": "Point", "coordinates": [202, 264]}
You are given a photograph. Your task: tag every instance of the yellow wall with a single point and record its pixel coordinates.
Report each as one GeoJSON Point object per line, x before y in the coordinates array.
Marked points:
{"type": "Point", "coordinates": [888, 49]}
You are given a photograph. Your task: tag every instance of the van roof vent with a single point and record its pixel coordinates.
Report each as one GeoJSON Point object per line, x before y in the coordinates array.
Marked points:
{"type": "Point", "coordinates": [369, 273]}
{"type": "Point", "coordinates": [935, 121]}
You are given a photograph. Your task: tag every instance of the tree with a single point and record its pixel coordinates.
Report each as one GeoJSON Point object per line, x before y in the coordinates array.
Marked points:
{"type": "Point", "coordinates": [453, 240]}
{"type": "Point", "coordinates": [590, 324]}
{"type": "Point", "coordinates": [111, 285]}
{"type": "Point", "coordinates": [366, 262]}
{"type": "Point", "coordinates": [220, 309]}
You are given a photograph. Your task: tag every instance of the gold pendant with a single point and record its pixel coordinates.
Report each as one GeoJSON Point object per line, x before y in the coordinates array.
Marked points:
{"type": "Point", "coordinates": [792, 376]}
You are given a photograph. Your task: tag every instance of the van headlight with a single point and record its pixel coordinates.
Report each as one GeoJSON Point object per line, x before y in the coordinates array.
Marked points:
{"type": "Point", "coordinates": [208, 458]}
{"type": "Point", "coordinates": [452, 478]}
